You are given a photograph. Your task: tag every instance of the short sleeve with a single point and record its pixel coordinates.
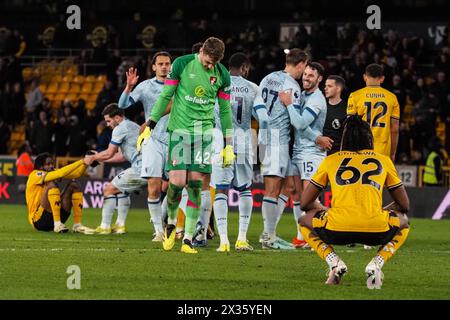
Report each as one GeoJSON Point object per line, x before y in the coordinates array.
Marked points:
{"type": "Point", "coordinates": [118, 136]}
{"type": "Point", "coordinates": [320, 178]}
{"type": "Point", "coordinates": [314, 106]}
{"type": "Point", "coordinates": [395, 109]}
{"type": "Point", "coordinates": [392, 179]}
{"type": "Point", "coordinates": [351, 107]}
{"type": "Point", "coordinates": [136, 94]}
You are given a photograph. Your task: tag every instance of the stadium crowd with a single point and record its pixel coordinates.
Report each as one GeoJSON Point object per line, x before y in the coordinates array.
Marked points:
{"type": "Point", "coordinates": [418, 75]}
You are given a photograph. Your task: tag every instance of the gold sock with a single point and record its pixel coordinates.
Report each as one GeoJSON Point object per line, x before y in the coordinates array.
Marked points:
{"type": "Point", "coordinates": [389, 249]}
{"type": "Point", "coordinates": [180, 219]}
{"type": "Point", "coordinates": [77, 205]}
{"type": "Point", "coordinates": [54, 197]}
{"type": "Point", "coordinates": [321, 248]}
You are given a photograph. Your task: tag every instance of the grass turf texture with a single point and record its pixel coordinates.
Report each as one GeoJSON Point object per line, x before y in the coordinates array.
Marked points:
{"type": "Point", "coordinates": [130, 266]}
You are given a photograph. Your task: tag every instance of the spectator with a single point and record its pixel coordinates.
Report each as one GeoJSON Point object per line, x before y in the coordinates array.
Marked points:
{"type": "Point", "coordinates": [77, 137]}
{"type": "Point", "coordinates": [61, 136]}
{"type": "Point", "coordinates": [5, 134]}
{"type": "Point", "coordinates": [34, 100]}
{"type": "Point", "coordinates": [24, 163]}
{"type": "Point", "coordinates": [17, 104]}
{"type": "Point", "coordinates": [103, 136]}
{"type": "Point", "coordinates": [106, 96]}
{"type": "Point", "coordinates": [41, 136]}
{"type": "Point", "coordinates": [433, 168]}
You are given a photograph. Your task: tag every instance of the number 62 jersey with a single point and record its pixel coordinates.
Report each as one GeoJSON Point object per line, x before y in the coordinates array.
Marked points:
{"type": "Point", "coordinates": [357, 180]}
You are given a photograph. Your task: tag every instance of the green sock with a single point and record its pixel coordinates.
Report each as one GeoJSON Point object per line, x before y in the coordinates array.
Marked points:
{"type": "Point", "coordinates": [193, 207]}
{"type": "Point", "coordinates": [173, 200]}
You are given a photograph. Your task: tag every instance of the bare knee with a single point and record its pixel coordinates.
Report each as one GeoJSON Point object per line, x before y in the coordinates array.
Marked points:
{"type": "Point", "coordinates": [154, 188]}
{"type": "Point", "coordinates": [74, 186]}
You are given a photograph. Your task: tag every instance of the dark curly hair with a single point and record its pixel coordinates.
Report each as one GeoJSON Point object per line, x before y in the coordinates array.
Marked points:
{"type": "Point", "coordinates": [356, 134]}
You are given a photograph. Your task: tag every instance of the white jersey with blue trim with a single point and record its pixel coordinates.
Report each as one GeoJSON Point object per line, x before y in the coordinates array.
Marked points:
{"type": "Point", "coordinates": [125, 136]}
{"type": "Point", "coordinates": [147, 92]}
{"type": "Point", "coordinates": [278, 115]}
{"type": "Point", "coordinates": [245, 98]}
{"type": "Point", "coordinates": [316, 104]}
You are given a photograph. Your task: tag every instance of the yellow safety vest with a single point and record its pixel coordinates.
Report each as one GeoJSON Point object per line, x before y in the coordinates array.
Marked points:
{"type": "Point", "coordinates": [429, 176]}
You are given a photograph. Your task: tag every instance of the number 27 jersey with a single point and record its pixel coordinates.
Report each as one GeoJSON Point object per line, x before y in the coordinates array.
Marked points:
{"type": "Point", "coordinates": [278, 115]}
{"type": "Point", "coordinates": [357, 181]}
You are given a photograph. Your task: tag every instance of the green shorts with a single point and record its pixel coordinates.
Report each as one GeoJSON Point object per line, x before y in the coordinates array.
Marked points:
{"type": "Point", "coordinates": [190, 152]}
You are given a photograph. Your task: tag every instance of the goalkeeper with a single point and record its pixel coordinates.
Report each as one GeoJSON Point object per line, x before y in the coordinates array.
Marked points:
{"type": "Point", "coordinates": [195, 82]}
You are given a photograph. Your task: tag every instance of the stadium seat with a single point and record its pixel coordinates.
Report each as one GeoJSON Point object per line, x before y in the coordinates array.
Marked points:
{"type": "Point", "coordinates": [27, 73]}
{"type": "Point", "coordinates": [75, 88]}
{"type": "Point", "coordinates": [56, 78]}
{"type": "Point", "coordinates": [87, 87]}
{"type": "Point", "coordinates": [98, 87]}
{"type": "Point", "coordinates": [84, 96]}
{"type": "Point", "coordinates": [101, 78]}
{"type": "Point", "coordinates": [43, 88]}
{"type": "Point", "coordinates": [90, 105]}
{"type": "Point", "coordinates": [60, 96]}
{"type": "Point", "coordinates": [50, 96]}
{"type": "Point", "coordinates": [68, 78]}
{"type": "Point", "coordinates": [52, 87]}
{"type": "Point", "coordinates": [90, 78]}
{"type": "Point", "coordinates": [78, 79]}
{"type": "Point", "coordinates": [56, 104]}
{"type": "Point", "coordinates": [64, 87]}
{"type": "Point", "coordinates": [73, 97]}
{"type": "Point", "coordinates": [92, 97]}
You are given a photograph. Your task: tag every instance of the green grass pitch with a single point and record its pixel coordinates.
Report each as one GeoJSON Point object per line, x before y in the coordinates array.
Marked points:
{"type": "Point", "coordinates": [34, 265]}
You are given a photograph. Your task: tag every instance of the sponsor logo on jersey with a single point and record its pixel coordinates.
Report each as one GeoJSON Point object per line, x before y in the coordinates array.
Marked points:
{"type": "Point", "coordinates": [191, 75]}
{"type": "Point", "coordinates": [196, 100]}
{"type": "Point", "coordinates": [336, 124]}
{"type": "Point", "coordinates": [212, 80]}
{"type": "Point", "coordinates": [199, 91]}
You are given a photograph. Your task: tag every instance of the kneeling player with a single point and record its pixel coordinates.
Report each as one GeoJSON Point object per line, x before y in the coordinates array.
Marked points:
{"type": "Point", "coordinates": [357, 175]}
{"type": "Point", "coordinates": [48, 207]}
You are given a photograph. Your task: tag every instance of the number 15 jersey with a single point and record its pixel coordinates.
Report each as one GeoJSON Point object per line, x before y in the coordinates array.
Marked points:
{"type": "Point", "coordinates": [377, 106]}
{"type": "Point", "coordinates": [357, 181]}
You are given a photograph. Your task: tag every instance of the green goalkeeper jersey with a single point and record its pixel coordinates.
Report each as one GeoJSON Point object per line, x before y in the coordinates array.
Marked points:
{"type": "Point", "coordinates": [195, 91]}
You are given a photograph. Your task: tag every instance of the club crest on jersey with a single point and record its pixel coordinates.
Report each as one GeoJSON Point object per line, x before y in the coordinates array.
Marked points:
{"type": "Point", "coordinates": [212, 80]}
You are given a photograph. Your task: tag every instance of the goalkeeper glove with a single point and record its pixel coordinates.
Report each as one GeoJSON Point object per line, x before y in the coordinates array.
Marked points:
{"type": "Point", "coordinates": [143, 137]}
{"type": "Point", "coordinates": [228, 156]}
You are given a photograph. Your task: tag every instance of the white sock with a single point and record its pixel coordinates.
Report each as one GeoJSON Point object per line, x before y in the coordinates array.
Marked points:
{"type": "Point", "coordinates": [245, 213]}
{"type": "Point", "coordinates": [221, 215]}
{"type": "Point", "coordinates": [205, 212]}
{"type": "Point", "coordinates": [163, 209]}
{"type": "Point", "coordinates": [123, 206]}
{"type": "Point", "coordinates": [154, 207]}
{"type": "Point", "coordinates": [379, 260]}
{"type": "Point", "coordinates": [109, 205]}
{"type": "Point", "coordinates": [282, 201]}
{"type": "Point", "coordinates": [332, 258]}
{"type": "Point", "coordinates": [297, 214]}
{"type": "Point", "coordinates": [184, 199]}
{"type": "Point", "coordinates": [269, 209]}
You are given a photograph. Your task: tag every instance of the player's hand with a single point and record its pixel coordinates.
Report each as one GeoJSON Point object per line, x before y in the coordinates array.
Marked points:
{"type": "Point", "coordinates": [325, 143]}
{"type": "Point", "coordinates": [87, 160]}
{"type": "Point", "coordinates": [228, 156]}
{"type": "Point", "coordinates": [144, 136]}
{"type": "Point", "coordinates": [142, 128]}
{"type": "Point", "coordinates": [132, 77]}
{"type": "Point", "coordinates": [285, 97]}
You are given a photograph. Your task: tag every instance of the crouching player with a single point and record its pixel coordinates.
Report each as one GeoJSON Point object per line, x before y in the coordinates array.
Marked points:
{"type": "Point", "coordinates": [121, 148]}
{"type": "Point", "coordinates": [357, 175]}
{"type": "Point", "coordinates": [48, 207]}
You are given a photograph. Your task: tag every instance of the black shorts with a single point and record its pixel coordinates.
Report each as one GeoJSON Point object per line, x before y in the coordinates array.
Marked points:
{"type": "Point", "coordinates": [45, 222]}
{"type": "Point", "coordinates": [367, 238]}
